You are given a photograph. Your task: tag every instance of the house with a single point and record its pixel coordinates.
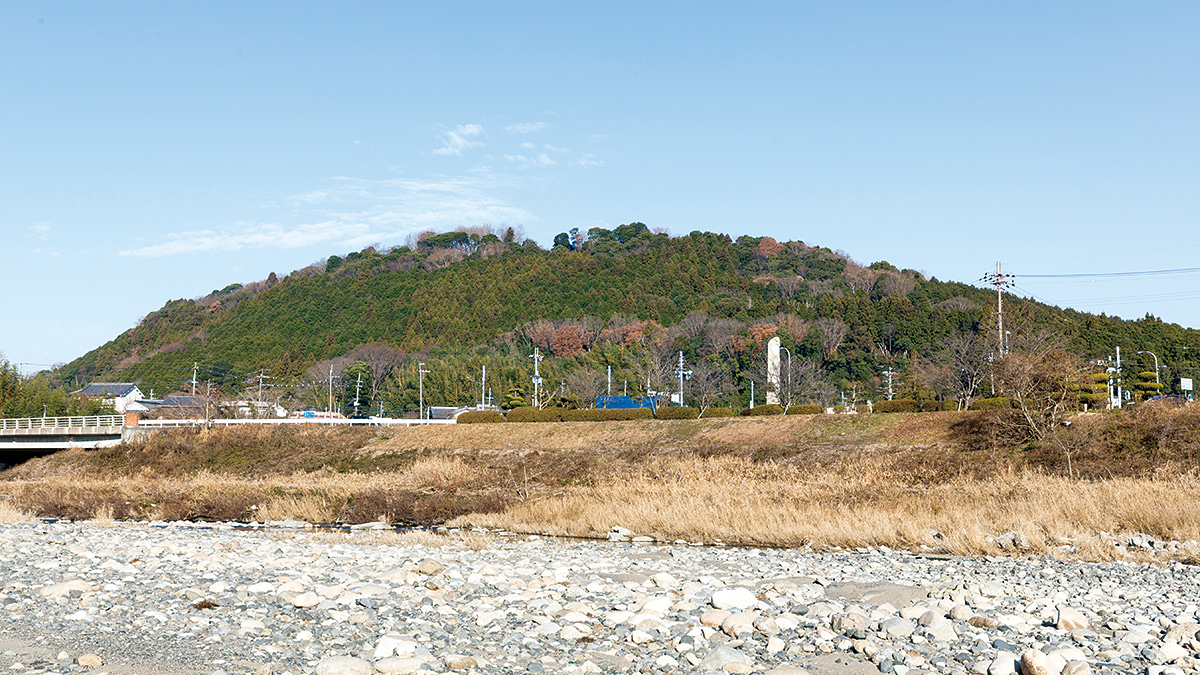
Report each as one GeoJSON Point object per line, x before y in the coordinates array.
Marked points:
{"type": "Point", "coordinates": [118, 394]}
{"type": "Point", "coordinates": [182, 406]}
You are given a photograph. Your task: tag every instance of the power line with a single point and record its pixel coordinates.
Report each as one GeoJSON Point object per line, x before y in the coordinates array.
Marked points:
{"type": "Point", "coordinates": [1105, 275]}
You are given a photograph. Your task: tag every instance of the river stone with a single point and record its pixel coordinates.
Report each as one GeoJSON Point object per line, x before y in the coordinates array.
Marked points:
{"type": "Point", "coordinates": [1005, 663]}
{"type": "Point", "coordinates": [722, 656]}
{"type": "Point", "coordinates": [89, 661]}
{"type": "Point", "coordinates": [1070, 618]}
{"type": "Point", "coordinates": [397, 665]}
{"type": "Point", "coordinates": [1077, 668]}
{"type": "Point", "coordinates": [897, 627]}
{"type": "Point", "coordinates": [734, 598]}
{"type": "Point", "coordinates": [1035, 662]}
{"type": "Point", "coordinates": [851, 621]}
{"type": "Point", "coordinates": [344, 665]}
{"type": "Point", "coordinates": [714, 618]}
{"type": "Point", "coordinates": [430, 567]}
{"type": "Point", "coordinates": [64, 588]}
{"type": "Point", "coordinates": [459, 662]}
{"type": "Point", "coordinates": [306, 600]}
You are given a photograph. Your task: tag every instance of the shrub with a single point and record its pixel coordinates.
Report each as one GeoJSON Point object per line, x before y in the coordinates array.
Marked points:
{"type": "Point", "coordinates": [623, 414]}
{"type": "Point", "coordinates": [678, 412]}
{"type": "Point", "coordinates": [839, 409]}
{"type": "Point", "coordinates": [900, 405]}
{"type": "Point", "coordinates": [949, 405]}
{"type": "Point", "coordinates": [481, 417]}
{"type": "Point", "coordinates": [710, 413]}
{"type": "Point", "coordinates": [549, 415]}
{"type": "Point", "coordinates": [998, 403]}
{"type": "Point", "coordinates": [578, 416]}
{"type": "Point", "coordinates": [805, 409]}
{"type": "Point", "coordinates": [522, 414]}
{"type": "Point", "coordinates": [765, 409]}
{"type": "Point", "coordinates": [863, 409]}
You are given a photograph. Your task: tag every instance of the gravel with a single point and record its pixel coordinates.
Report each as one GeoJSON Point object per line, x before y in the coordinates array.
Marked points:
{"type": "Point", "coordinates": [218, 598]}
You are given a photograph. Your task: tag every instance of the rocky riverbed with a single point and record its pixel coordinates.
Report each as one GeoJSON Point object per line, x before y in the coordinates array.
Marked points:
{"type": "Point", "coordinates": [180, 598]}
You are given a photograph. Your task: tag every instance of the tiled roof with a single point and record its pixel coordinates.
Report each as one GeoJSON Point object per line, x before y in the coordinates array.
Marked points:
{"type": "Point", "coordinates": [107, 389]}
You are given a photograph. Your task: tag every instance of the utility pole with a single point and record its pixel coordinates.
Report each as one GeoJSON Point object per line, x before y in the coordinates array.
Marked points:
{"type": "Point", "coordinates": [329, 408]}
{"type": "Point", "coordinates": [262, 375]}
{"type": "Point", "coordinates": [610, 380]}
{"type": "Point", "coordinates": [681, 373]}
{"type": "Point", "coordinates": [483, 388]}
{"type": "Point", "coordinates": [1000, 280]}
{"type": "Point", "coordinates": [537, 378]}
{"type": "Point", "coordinates": [357, 389]}
{"type": "Point", "coordinates": [421, 388]}
{"type": "Point", "coordinates": [195, 370]}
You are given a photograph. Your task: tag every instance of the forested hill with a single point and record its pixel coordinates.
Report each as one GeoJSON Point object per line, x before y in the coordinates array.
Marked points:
{"type": "Point", "coordinates": [626, 298]}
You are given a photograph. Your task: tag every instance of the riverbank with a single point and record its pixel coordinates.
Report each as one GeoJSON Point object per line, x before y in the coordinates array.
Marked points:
{"type": "Point", "coordinates": [923, 482]}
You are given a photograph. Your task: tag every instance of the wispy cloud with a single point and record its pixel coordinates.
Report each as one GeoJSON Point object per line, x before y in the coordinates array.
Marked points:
{"type": "Point", "coordinates": [588, 161]}
{"type": "Point", "coordinates": [525, 127]}
{"type": "Point", "coordinates": [352, 213]}
{"type": "Point", "coordinates": [523, 162]}
{"type": "Point", "coordinates": [40, 230]}
{"type": "Point", "coordinates": [459, 139]}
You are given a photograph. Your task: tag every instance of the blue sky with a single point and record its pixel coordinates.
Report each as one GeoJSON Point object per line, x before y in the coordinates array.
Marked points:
{"type": "Point", "coordinates": [151, 151]}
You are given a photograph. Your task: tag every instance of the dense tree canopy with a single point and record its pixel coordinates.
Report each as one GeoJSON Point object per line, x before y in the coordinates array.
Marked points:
{"type": "Point", "coordinates": [627, 299]}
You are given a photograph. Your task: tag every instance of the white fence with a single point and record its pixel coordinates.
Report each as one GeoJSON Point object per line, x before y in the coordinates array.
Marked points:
{"type": "Point", "coordinates": [62, 422]}
{"type": "Point", "coordinates": [370, 422]}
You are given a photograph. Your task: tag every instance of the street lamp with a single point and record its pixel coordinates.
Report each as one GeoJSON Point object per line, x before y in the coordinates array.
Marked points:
{"type": "Point", "coordinates": [1156, 380]}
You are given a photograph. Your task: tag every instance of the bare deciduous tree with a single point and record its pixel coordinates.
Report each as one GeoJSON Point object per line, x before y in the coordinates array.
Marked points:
{"type": "Point", "coordinates": [958, 369]}
{"type": "Point", "coordinates": [381, 358]}
{"type": "Point", "coordinates": [586, 385]}
{"type": "Point", "coordinates": [1039, 377]}
{"type": "Point", "coordinates": [708, 385]}
{"type": "Point", "coordinates": [832, 332]}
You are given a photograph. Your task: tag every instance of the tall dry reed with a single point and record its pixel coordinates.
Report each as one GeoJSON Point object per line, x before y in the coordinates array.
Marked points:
{"type": "Point", "coordinates": [738, 501]}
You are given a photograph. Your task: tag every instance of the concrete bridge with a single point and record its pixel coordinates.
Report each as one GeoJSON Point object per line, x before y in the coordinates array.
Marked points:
{"type": "Point", "coordinates": [37, 434]}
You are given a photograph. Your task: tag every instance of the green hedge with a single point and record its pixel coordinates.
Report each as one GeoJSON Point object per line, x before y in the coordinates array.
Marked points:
{"type": "Point", "coordinates": [900, 405]}
{"type": "Point", "coordinates": [710, 413]}
{"type": "Point", "coordinates": [549, 415]}
{"type": "Point", "coordinates": [621, 414]}
{"type": "Point", "coordinates": [805, 409]}
{"type": "Point", "coordinates": [522, 414]}
{"type": "Point", "coordinates": [998, 403]}
{"type": "Point", "coordinates": [481, 417]}
{"type": "Point", "coordinates": [766, 409]}
{"type": "Point", "coordinates": [677, 412]}
{"type": "Point", "coordinates": [863, 409]}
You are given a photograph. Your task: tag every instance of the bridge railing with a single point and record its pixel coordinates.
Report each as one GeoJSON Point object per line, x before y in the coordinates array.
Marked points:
{"type": "Point", "coordinates": [61, 422]}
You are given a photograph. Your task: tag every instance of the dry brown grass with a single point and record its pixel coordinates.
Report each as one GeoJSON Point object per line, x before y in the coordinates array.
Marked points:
{"type": "Point", "coordinates": [846, 481]}
{"type": "Point", "coordinates": [9, 513]}
{"type": "Point", "coordinates": [735, 500]}
{"type": "Point", "coordinates": [429, 492]}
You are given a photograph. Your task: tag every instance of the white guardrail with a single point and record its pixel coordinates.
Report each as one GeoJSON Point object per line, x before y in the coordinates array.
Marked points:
{"type": "Point", "coordinates": [95, 421]}
{"type": "Point", "coordinates": [91, 421]}
{"type": "Point", "coordinates": [369, 422]}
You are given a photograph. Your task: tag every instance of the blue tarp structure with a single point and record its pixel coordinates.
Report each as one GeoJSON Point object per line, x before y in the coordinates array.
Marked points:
{"type": "Point", "coordinates": [628, 402]}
